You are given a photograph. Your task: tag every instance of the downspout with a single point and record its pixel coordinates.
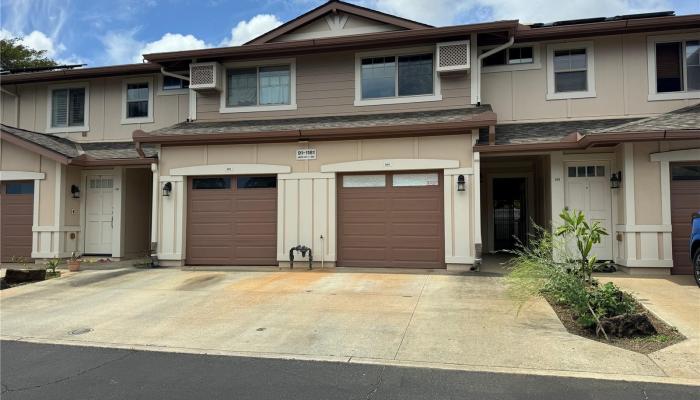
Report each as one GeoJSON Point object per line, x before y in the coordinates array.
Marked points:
{"type": "Point", "coordinates": [478, 65]}
{"type": "Point", "coordinates": [16, 96]}
{"type": "Point", "coordinates": [155, 192]}
{"type": "Point", "coordinates": [172, 75]}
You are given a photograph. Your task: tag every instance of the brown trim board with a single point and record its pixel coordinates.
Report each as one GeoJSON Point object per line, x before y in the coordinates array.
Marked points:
{"type": "Point", "coordinates": [588, 141]}
{"type": "Point", "coordinates": [375, 132]}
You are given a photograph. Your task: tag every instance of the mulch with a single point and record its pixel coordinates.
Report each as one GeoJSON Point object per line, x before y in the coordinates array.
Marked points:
{"type": "Point", "coordinates": [666, 335]}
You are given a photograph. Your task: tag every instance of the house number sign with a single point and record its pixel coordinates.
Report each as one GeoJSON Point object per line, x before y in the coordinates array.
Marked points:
{"type": "Point", "coordinates": [306, 154]}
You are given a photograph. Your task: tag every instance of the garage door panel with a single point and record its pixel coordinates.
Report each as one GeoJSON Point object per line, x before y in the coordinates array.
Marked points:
{"type": "Point", "coordinates": [232, 225]}
{"type": "Point", "coordinates": [16, 218]}
{"type": "Point", "coordinates": [685, 201]}
{"type": "Point", "coordinates": [391, 226]}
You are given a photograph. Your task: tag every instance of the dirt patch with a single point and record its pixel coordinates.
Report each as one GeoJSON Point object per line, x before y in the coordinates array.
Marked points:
{"type": "Point", "coordinates": [90, 279]}
{"type": "Point", "coordinates": [666, 335]}
{"type": "Point", "coordinates": [200, 282]}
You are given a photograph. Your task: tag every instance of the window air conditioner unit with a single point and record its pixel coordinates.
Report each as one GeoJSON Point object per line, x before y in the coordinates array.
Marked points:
{"type": "Point", "coordinates": [205, 76]}
{"type": "Point", "coordinates": [453, 56]}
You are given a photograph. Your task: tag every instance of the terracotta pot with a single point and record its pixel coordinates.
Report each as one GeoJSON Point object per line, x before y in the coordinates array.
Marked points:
{"type": "Point", "coordinates": [74, 266]}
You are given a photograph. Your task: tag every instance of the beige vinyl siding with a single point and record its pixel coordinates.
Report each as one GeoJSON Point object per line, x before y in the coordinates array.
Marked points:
{"type": "Point", "coordinates": [105, 110]}
{"type": "Point", "coordinates": [326, 86]}
{"type": "Point", "coordinates": [621, 85]}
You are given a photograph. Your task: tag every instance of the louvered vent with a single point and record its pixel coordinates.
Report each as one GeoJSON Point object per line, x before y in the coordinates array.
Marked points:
{"type": "Point", "coordinates": [204, 76]}
{"type": "Point", "coordinates": [453, 56]}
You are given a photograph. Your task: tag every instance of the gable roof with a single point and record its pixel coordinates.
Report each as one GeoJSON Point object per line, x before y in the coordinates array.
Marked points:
{"type": "Point", "coordinates": [334, 6]}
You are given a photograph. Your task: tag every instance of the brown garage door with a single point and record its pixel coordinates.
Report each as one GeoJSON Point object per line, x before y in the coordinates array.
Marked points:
{"type": "Point", "coordinates": [391, 220]}
{"type": "Point", "coordinates": [16, 206]}
{"type": "Point", "coordinates": [685, 201]}
{"type": "Point", "coordinates": [232, 220]}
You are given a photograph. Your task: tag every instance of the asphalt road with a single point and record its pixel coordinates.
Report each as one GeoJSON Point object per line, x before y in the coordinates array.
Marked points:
{"type": "Point", "coordinates": [39, 371]}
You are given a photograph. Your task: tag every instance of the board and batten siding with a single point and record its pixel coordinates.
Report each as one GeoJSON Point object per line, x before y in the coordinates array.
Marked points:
{"type": "Point", "coordinates": [105, 110]}
{"type": "Point", "coordinates": [621, 85]}
{"type": "Point", "coordinates": [326, 86]}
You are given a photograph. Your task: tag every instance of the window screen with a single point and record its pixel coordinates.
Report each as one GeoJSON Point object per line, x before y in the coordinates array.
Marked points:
{"type": "Point", "coordinates": [669, 65]}
{"type": "Point", "coordinates": [416, 75]}
{"type": "Point", "coordinates": [570, 70]}
{"type": "Point", "coordinates": [275, 83]}
{"type": "Point", "coordinates": [68, 107]}
{"type": "Point", "coordinates": [19, 187]}
{"type": "Point", "coordinates": [242, 87]}
{"type": "Point", "coordinates": [212, 183]}
{"type": "Point", "coordinates": [378, 79]}
{"type": "Point", "coordinates": [259, 86]}
{"type": "Point", "coordinates": [692, 61]}
{"type": "Point", "coordinates": [137, 100]}
{"type": "Point", "coordinates": [172, 83]}
{"type": "Point", "coordinates": [254, 182]}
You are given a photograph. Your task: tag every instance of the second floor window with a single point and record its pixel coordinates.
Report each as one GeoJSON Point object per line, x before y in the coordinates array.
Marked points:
{"type": "Point", "coordinates": [570, 70]}
{"type": "Point", "coordinates": [172, 83]}
{"type": "Point", "coordinates": [67, 107]}
{"type": "Point", "coordinates": [678, 66]}
{"type": "Point", "coordinates": [258, 86]}
{"type": "Point", "coordinates": [395, 76]}
{"type": "Point", "coordinates": [137, 97]}
{"type": "Point", "coordinates": [510, 56]}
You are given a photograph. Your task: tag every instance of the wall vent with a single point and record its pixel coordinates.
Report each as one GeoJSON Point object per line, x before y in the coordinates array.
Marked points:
{"type": "Point", "coordinates": [205, 76]}
{"type": "Point", "coordinates": [453, 56]}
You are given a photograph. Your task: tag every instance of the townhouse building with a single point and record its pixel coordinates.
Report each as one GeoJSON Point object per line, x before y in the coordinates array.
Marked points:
{"type": "Point", "coordinates": [372, 139]}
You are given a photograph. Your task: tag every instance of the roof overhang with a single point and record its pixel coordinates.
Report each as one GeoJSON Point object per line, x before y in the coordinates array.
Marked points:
{"type": "Point", "coordinates": [83, 160]}
{"type": "Point", "coordinates": [526, 33]}
{"type": "Point", "coordinates": [371, 132]}
{"type": "Point", "coordinates": [588, 141]}
{"type": "Point", "coordinates": [80, 73]}
{"type": "Point", "coordinates": [369, 40]}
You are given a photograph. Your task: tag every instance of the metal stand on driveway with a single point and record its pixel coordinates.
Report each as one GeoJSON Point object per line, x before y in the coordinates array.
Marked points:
{"type": "Point", "coordinates": [303, 250]}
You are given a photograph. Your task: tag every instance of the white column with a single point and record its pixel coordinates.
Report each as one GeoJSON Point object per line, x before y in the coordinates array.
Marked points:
{"type": "Point", "coordinates": [556, 177]}
{"type": "Point", "coordinates": [155, 196]}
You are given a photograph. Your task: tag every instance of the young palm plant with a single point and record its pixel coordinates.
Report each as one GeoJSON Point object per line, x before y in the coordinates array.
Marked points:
{"type": "Point", "coordinates": [586, 235]}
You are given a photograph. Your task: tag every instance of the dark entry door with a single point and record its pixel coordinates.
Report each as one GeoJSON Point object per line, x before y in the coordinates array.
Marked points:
{"type": "Point", "coordinates": [509, 212]}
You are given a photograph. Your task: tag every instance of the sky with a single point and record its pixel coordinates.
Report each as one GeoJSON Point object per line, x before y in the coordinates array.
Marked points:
{"type": "Point", "coordinates": [110, 32]}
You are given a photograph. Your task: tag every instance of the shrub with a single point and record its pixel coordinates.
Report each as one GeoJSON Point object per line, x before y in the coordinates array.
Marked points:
{"type": "Point", "coordinates": [545, 267]}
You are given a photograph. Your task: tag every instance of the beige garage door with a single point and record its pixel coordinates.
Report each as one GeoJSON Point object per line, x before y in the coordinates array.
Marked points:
{"type": "Point", "coordinates": [16, 208]}
{"type": "Point", "coordinates": [391, 220]}
{"type": "Point", "coordinates": [685, 201]}
{"type": "Point", "coordinates": [232, 220]}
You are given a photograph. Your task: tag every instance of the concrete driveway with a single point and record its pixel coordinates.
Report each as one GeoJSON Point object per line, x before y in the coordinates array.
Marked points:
{"type": "Point", "coordinates": [421, 318]}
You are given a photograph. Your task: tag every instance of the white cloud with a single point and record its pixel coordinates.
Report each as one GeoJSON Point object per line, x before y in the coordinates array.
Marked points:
{"type": "Point", "coordinates": [120, 47]}
{"type": "Point", "coordinates": [247, 30]}
{"type": "Point", "coordinates": [172, 42]}
{"type": "Point", "coordinates": [446, 12]}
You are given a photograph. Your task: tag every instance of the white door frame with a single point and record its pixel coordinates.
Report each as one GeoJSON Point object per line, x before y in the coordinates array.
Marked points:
{"type": "Point", "coordinates": [117, 202]}
{"type": "Point", "coordinates": [529, 176]}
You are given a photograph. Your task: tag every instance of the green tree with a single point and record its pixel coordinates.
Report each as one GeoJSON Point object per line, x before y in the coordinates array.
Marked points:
{"type": "Point", "coordinates": [14, 54]}
{"type": "Point", "coordinates": [585, 234]}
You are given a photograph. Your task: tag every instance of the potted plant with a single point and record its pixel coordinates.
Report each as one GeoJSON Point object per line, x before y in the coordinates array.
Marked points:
{"type": "Point", "coordinates": [74, 263]}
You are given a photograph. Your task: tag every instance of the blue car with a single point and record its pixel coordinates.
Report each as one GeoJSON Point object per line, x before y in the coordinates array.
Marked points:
{"type": "Point", "coordinates": [695, 246]}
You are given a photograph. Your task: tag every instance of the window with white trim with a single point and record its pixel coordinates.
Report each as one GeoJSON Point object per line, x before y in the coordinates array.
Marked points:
{"type": "Point", "coordinates": [172, 83]}
{"type": "Point", "coordinates": [137, 100]}
{"type": "Point", "coordinates": [259, 86]}
{"type": "Point", "coordinates": [68, 107]}
{"type": "Point", "coordinates": [677, 66]}
{"type": "Point", "coordinates": [397, 76]}
{"type": "Point", "coordinates": [674, 66]}
{"type": "Point", "coordinates": [510, 56]}
{"type": "Point", "coordinates": [570, 71]}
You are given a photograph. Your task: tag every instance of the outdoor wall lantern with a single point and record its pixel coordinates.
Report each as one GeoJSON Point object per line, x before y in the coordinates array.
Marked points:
{"type": "Point", "coordinates": [461, 184]}
{"type": "Point", "coordinates": [75, 191]}
{"type": "Point", "coordinates": [615, 180]}
{"type": "Point", "coordinates": [167, 188]}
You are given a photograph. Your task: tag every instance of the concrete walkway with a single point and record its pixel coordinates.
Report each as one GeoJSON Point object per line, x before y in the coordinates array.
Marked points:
{"type": "Point", "coordinates": [423, 318]}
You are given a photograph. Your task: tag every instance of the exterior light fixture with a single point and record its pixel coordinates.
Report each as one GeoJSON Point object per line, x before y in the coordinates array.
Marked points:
{"type": "Point", "coordinates": [461, 184]}
{"type": "Point", "coordinates": [615, 180]}
{"type": "Point", "coordinates": [75, 191]}
{"type": "Point", "coordinates": [167, 188]}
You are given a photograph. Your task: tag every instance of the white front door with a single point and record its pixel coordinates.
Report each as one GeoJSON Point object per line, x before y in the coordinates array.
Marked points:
{"type": "Point", "coordinates": [588, 190]}
{"type": "Point", "coordinates": [99, 199]}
